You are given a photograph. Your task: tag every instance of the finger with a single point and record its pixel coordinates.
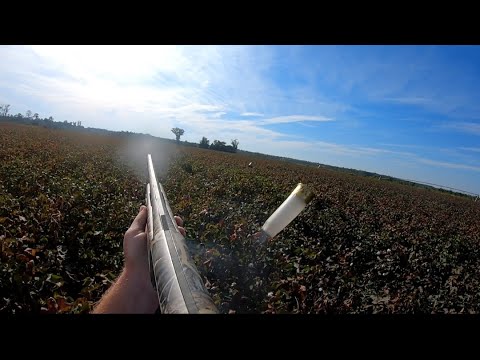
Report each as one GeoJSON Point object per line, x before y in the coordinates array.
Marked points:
{"type": "Point", "coordinates": [182, 231]}
{"type": "Point", "coordinates": [179, 220]}
{"type": "Point", "coordinates": [140, 221]}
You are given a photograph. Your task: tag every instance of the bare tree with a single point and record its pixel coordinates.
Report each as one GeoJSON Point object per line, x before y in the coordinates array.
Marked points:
{"type": "Point", "coordinates": [28, 114]}
{"type": "Point", "coordinates": [235, 144]}
{"type": "Point", "coordinates": [35, 116]}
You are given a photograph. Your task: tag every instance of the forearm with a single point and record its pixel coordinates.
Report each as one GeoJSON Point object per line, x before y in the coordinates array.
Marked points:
{"type": "Point", "coordinates": [129, 294]}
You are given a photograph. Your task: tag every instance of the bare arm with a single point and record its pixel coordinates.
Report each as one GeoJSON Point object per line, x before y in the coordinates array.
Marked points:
{"type": "Point", "coordinates": [132, 292]}
{"type": "Point", "coordinates": [128, 295]}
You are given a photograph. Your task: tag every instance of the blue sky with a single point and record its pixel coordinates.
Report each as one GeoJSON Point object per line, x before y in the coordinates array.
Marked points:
{"type": "Point", "coordinates": [407, 111]}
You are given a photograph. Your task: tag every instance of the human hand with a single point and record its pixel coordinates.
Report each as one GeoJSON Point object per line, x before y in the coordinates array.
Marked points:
{"type": "Point", "coordinates": [135, 245]}
{"type": "Point", "coordinates": [133, 292]}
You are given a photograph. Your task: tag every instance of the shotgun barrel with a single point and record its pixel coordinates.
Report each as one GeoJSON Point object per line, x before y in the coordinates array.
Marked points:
{"type": "Point", "coordinates": [179, 286]}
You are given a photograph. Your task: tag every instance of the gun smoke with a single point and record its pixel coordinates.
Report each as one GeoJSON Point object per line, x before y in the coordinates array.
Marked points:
{"type": "Point", "coordinates": [133, 154]}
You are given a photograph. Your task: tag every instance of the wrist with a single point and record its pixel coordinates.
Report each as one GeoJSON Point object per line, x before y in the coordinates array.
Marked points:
{"type": "Point", "coordinates": [138, 276]}
{"type": "Point", "coordinates": [140, 289]}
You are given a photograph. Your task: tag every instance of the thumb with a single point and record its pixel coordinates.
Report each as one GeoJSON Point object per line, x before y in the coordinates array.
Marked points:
{"type": "Point", "coordinates": [140, 221]}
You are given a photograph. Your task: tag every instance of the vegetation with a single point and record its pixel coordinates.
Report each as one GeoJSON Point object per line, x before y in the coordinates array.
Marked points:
{"type": "Point", "coordinates": [4, 109]}
{"type": "Point", "coordinates": [364, 245]}
{"type": "Point", "coordinates": [235, 144]}
{"type": "Point", "coordinates": [204, 143]}
{"type": "Point", "coordinates": [219, 145]}
{"type": "Point", "coordinates": [178, 132]}
{"type": "Point", "coordinates": [36, 120]}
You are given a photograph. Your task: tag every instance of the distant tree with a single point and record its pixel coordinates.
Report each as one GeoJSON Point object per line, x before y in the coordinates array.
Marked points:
{"type": "Point", "coordinates": [204, 143]}
{"type": "Point", "coordinates": [28, 114]}
{"type": "Point", "coordinates": [235, 144]}
{"type": "Point", "coordinates": [178, 132]}
{"type": "Point", "coordinates": [218, 145]}
{"type": "Point", "coordinates": [19, 115]}
{"type": "Point", "coordinates": [222, 146]}
{"type": "Point", "coordinates": [4, 109]}
{"type": "Point", "coordinates": [50, 119]}
{"type": "Point", "coordinates": [35, 116]}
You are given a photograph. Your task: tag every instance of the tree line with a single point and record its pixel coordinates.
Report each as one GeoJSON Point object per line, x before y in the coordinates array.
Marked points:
{"type": "Point", "coordinates": [219, 145]}
{"type": "Point", "coordinates": [205, 143]}
{"type": "Point", "coordinates": [31, 118]}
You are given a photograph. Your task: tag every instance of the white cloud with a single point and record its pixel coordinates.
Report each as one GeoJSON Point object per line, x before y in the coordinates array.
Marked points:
{"type": "Point", "coordinates": [251, 114]}
{"type": "Point", "coordinates": [449, 164]}
{"type": "Point", "coordinates": [121, 63]}
{"type": "Point", "coordinates": [218, 114]}
{"type": "Point", "coordinates": [466, 127]}
{"type": "Point", "coordinates": [152, 88]}
{"type": "Point", "coordinates": [470, 149]}
{"type": "Point", "coordinates": [294, 118]}
{"type": "Point", "coordinates": [408, 146]}
{"type": "Point", "coordinates": [166, 76]}
{"type": "Point", "coordinates": [411, 100]}
{"type": "Point", "coordinates": [354, 150]}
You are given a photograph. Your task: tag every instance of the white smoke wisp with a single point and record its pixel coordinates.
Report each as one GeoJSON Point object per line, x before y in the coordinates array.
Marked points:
{"type": "Point", "coordinates": [134, 153]}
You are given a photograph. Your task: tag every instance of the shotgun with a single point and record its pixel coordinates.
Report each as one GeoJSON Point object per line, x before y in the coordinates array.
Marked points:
{"type": "Point", "coordinates": [179, 286]}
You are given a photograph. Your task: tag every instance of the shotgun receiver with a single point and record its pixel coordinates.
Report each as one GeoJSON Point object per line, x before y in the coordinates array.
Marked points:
{"type": "Point", "coordinates": [179, 286]}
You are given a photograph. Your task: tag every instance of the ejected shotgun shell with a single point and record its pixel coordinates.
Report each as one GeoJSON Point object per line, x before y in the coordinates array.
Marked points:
{"type": "Point", "coordinates": [285, 213]}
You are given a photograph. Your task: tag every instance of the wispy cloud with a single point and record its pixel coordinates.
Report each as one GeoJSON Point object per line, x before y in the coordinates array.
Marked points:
{"type": "Point", "coordinates": [470, 149]}
{"type": "Point", "coordinates": [342, 149]}
{"type": "Point", "coordinates": [190, 85]}
{"type": "Point", "coordinates": [355, 150]}
{"type": "Point", "coordinates": [251, 114]}
{"type": "Point", "coordinates": [465, 127]}
{"type": "Point", "coordinates": [449, 164]}
{"type": "Point", "coordinates": [413, 100]}
{"type": "Point", "coordinates": [419, 76]}
{"type": "Point", "coordinates": [407, 146]}
{"type": "Point", "coordinates": [294, 118]}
